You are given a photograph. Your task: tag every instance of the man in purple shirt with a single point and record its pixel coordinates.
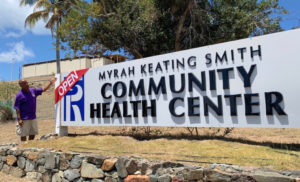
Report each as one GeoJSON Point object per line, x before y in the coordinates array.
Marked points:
{"type": "Point", "coordinates": [25, 105]}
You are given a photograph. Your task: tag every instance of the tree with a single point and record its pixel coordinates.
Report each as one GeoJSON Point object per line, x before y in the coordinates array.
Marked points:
{"type": "Point", "coordinates": [74, 31]}
{"type": "Point", "coordinates": [52, 12]}
{"type": "Point", "coordinates": [150, 27]}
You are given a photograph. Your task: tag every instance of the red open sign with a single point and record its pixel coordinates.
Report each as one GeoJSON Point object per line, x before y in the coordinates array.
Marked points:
{"type": "Point", "coordinates": [68, 83]}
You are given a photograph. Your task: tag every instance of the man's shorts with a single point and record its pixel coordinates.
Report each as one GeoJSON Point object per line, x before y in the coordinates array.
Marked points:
{"type": "Point", "coordinates": [29, 127]}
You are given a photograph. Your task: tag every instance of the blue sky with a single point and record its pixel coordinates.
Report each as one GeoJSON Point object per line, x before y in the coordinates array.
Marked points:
{"type": "Point", "coordinates": [20, 46]}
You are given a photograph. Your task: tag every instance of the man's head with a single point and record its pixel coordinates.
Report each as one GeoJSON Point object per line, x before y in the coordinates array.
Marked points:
{"type": "Point", "coordinates": [24, 84]}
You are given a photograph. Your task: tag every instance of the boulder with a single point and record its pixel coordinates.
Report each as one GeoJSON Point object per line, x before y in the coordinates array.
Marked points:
{"type": "Point", "coordinates": [137, 178]}
{"type": "Point", "coordinates": [11, 160]}
{"type": "Point", "coordinates": [109, 164]}
{"type": "Point", "coordinates": [91, 171]}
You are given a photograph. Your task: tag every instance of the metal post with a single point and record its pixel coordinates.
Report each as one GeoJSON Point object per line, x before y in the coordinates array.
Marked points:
{"type": "Point", "coordinates": [60, 130]}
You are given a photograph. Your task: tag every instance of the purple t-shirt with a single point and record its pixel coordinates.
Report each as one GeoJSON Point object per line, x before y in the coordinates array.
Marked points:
{"type": "Point", "coordinates": [26, 103]}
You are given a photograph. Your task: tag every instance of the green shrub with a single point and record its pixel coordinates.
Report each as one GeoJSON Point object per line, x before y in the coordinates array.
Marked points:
{"type": "Point", "coordinates": [6, 113]}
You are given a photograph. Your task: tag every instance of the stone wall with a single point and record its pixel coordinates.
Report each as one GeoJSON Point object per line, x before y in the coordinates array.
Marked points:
{"type": "Point", "coordinates": [49, 165]}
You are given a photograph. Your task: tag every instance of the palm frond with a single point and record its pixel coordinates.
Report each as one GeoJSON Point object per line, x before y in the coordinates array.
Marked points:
{"type": "Point", "coordinates": [44, 4]}
{"type": "Point", "coordinates": [27, 2]}
{"type": "Point", "coordinates": [34, 17]}
{"type": "Point", "coordinates": [52, 22]}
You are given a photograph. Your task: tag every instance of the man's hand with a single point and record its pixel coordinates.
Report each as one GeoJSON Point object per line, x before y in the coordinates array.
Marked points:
{"type": "Point", "coordinates": [20, 122]}
{"type": "Point", "coordinates": [53, 80]}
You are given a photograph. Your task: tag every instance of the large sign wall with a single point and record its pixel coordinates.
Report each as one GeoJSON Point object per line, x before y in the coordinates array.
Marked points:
{"type": "Point", "coordinates": [252, 82]}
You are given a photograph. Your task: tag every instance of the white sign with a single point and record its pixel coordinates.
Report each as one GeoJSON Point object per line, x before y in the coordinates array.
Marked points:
{"type": "Point", "coordinates": [252, 82]}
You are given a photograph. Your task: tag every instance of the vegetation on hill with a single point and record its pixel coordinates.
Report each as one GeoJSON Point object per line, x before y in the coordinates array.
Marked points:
{"type": "Point", "coordinates": [7, 96]}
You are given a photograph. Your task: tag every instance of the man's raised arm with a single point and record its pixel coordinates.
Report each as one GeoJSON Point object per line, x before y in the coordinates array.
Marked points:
{"type": "Point", "coordinates": [47, 86]}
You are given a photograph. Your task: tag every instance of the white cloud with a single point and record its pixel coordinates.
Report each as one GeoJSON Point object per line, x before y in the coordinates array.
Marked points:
{"type": "Point", "coordinates": [18, 53]}
{"type": "Point", "coordinates": [15, 34]}
{"type": "Point", "coordinates": [12, 17]}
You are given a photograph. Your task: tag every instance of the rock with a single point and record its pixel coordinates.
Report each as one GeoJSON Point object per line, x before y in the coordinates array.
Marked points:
{"type": "Point", "coordinates": [120, 165]}
{"type": "Point", "coordinates": [195, 175]}
{"type": "Point", "coordinates": [2, 151]}
{"type": "Point", "coordinates": [33, 175]}
{"type": "Point", "coordinates": [50, 161]}
{"type": "Point", "coordinates": [76, 162]}
{"type": "Point", "coordinates": [71, 174]}
{"type": "Point", "coordinates": [137, 178]}
{"type": "Point", "coordinates": [242, 178]}
{"type": "Point", "coordinates": [64, 180]}
{"type": "Point", "coordinates": [113, 174]}
{"type": "Point", "coordinates": [109, 164]}
{"type": "Point", "coordinates": [162, 171]}
{"type": "Point", "coordinates": [164, 178]}
{"type": "Point", "coordinates": [137, 173]}
{"type": "Point", "coordinates": [1, 165]}
{"type": "Point", "coordinates": [33, 155]}
{"type": "Point", "coordinates": [21, 162]}
{"type": "Point", "coordinates": [63, 164]}
{"type": "Point", "coordinates": [55, 171]}
{"type": "Point", "coordinates": [49, 136]}
{"type": "Point", "coordinates": [11, 160]}
{"type": "Point", "coordinates": [56, 160]}
{"type": "Point", "coordinates": [144, 167]}
{"type": "Point", "coordinates": [17, 172]}
{"type": "Point", "coordinates": [171, 165]}
{"type": "Point", "coordinates": [96, 159]}
{"type": "Point", "coordinates": [91, 171]}
{"type": "Point", "coordinates": [30, 165]}
{"type": "Point", "coordinates": [97, 180]}
{"type": "Point", "coordinates": [79, 180]}
{"type": "Point", "coordinates": [6, 168]}
{"type": "Point", "coordinates": [56, 178]}
{"type": "Point", "coordinates": [260, 176]}
{"type": "Point", "coordinates": [153, 178]}
{"type": "Point", "coordinates": [217, 176]}
{"type": "Point", "coordinates": [295, 174]}
{"type": "Point", "coordinates": [61, 174]}
{"type": "Point", "coordinates": [42, 154]}
{"type": "Point", "coordinates": [148, 172]}
{"type": "Point", "coordinates": [131, 166]}
{"type": "Point", "coordinates": [14, 151]}
{"type": "Point", "coordinates": [41, 169]}
{"type": "Point", "coordinates": [41, 161]}
{"type": "Point", "coordinates": [155, 167]}
{"type": "Point", "coordinates": [67, 156]}
{"type": "Point", "coordinates": [178, 179]}
{"type": "Point", "coordinates": [110, 179]}
{"type": "Point", "coordinates": [3, 158]}
{"type": "Point", "coordinates": [46, 177]}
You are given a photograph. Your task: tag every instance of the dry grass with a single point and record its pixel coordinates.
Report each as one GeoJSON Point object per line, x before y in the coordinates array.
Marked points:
{"type": "Point", "coordinates": [205, 151]}
{"type": "Point", "coordinates": [93, 139]}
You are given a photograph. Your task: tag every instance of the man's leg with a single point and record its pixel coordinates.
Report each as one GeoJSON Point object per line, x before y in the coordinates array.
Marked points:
{"type": "Point", "coordinates": [33, 129]}
{"type": "Point", "coordinates": [23, 138]}
{"type": "Point", "coordinates": [31, 137]}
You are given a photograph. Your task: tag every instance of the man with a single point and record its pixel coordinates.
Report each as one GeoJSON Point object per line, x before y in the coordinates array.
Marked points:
{"type": "Point", "coordinates": [25, 105]}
